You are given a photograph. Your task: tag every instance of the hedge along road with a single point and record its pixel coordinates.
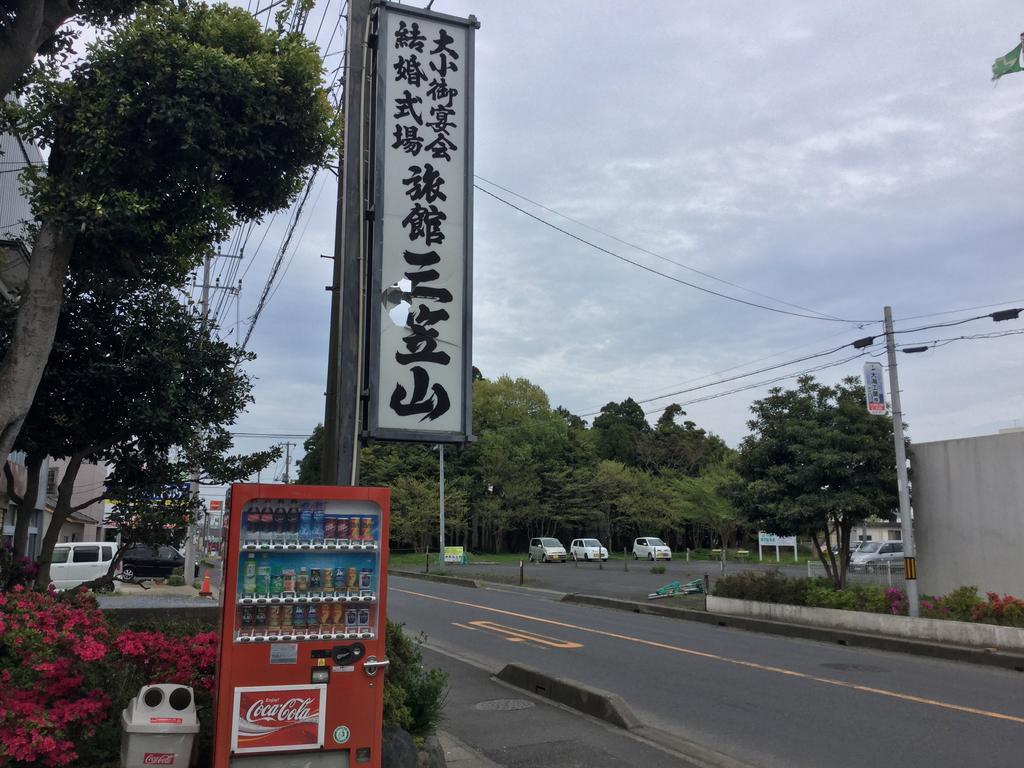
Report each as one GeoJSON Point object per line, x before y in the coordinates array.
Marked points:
{"type": "Point", "coordinates": [765, 700]}
{"type": "Point", "coordinates": [609, 580]}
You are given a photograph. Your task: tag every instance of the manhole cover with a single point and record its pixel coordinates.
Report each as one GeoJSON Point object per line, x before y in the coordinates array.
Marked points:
{"type": "Point", "coordinates": [853, 667]}
{"type": "Point", "coordinates": [503, 705]}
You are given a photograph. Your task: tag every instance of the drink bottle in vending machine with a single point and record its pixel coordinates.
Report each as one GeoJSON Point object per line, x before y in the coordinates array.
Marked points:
{"type": "Point", "coordinates": [302, 629]}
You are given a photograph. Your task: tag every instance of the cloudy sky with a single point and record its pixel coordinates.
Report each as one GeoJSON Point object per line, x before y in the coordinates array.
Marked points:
{"type": "Point", "coordinates": [831, 157]}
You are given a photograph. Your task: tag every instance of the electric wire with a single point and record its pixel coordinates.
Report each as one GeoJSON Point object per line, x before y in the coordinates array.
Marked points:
{"type": "Point", "coordinates": [663, 274]}
{"type": "Point", "coordinates": [652, 253]}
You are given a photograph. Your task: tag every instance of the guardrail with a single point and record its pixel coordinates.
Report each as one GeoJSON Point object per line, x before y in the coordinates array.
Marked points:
{"type": "Point", "coordinates": [889, 573]}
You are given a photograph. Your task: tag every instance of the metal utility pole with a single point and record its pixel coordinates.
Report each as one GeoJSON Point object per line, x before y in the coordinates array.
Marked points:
{"type": "Point", "coordinates": [440, 454]}
{"type": "Point", "coordinates": [909, 560]}
{"type": "Point", "coordinates": [188, 572]}
{"type": "Point", "coordinates": [287, 461]}
{"type": "Point", "coordinates": [340, 463]}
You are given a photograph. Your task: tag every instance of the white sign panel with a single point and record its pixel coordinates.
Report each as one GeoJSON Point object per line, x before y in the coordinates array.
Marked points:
{"type": "Point", "coordinates": [420, 303]}
{"type": "Point", "coordinates": [771, 540]}
{"type": "Point", "coordinates": [874, 387]}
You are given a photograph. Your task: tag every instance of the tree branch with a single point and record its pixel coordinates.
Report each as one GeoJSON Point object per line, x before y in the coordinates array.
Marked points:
{"type": "Point", "coordinates": [89, 503]}
{"type": "Point", "coordinates": [9, 477]}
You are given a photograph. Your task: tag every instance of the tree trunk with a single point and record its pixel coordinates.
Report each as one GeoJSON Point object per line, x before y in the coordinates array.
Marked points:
{"type": "Point", "coordinates": [33, 24]}
{"type": "Point", "coordinates": [61, 511]}
{"type": "Point", "coordinates": [34, 465]}
{"type": "Point", "coordinates": [38, 310]}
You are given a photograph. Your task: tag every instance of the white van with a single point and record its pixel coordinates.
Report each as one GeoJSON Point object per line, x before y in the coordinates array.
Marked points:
{"type": "Point", "coordinates": [77, 562]}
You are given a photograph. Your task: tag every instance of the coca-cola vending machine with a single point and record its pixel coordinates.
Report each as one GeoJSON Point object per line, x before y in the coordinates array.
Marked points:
{"type": "Point", "coordinates": [300, 676]}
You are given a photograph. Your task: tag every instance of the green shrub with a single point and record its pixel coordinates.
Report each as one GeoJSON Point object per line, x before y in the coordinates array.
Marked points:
{"type": "Point", "coordinates": [413, 695]}
{"type": "Point", "coordinates": [963, 603]}
{"type": "Point", "coordinates": [174, 581]}
{"type": "Point", "coordinates": [764, 586]}
{"type": "Point", "coordinates": [657, 569]}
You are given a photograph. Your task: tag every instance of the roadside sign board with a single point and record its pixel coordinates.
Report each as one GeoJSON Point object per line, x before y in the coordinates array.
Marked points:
{"type": "Point", "coordinates": [874, 388]}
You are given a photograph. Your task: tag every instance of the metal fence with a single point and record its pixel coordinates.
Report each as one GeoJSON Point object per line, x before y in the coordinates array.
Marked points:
{"type": "Point", "coordinates": [889, 573]}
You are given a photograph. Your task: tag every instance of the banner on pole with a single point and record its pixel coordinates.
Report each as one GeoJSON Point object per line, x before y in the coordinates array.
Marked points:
{"type": "Point", "coordinates": [420, 299]}
{"type": "Point", "coordinates": [874, 388]}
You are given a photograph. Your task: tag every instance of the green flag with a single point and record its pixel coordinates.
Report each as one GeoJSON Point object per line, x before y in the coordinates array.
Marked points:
{"type": "Point", "coordinates": [1004, 65]}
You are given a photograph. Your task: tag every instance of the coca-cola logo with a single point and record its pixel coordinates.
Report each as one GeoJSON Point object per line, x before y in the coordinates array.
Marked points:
{"type": "Point", "coordinates": [158, 758]}
{"type": "Point", "coordinates": [288, 711]}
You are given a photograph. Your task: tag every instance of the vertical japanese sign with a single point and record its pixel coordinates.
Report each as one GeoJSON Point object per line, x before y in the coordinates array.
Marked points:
{"type": "Point", "coordinates": [874, 387]}
{"type": "Point", "coordinates": [420, 303]}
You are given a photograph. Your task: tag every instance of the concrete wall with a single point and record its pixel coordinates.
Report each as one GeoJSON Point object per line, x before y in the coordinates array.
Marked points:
{"type": "Point", "coordinates": [931, 630]}
{"type": "Point", "coordinates": [969, 513]}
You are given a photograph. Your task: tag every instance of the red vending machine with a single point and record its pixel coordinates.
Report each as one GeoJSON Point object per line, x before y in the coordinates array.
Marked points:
{"type": "Point", "coordinates": [300, 676]}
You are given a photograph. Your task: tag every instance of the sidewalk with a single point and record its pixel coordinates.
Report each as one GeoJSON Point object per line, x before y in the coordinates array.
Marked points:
{"type": "Point", "coordinates": [489, 724]}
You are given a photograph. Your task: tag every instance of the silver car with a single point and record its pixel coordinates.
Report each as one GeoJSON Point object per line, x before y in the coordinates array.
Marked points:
{"type": "Point", "coordinates": [543, 550]}
{"type": "Point", "coordinates": [875, 554]}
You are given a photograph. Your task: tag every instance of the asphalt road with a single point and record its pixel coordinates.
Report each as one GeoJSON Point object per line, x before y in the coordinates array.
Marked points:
{"type": "Point", "coordinates": [765, 700]}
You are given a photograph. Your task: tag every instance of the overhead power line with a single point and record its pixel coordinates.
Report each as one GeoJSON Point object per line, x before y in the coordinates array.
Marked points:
{"type": "Point", "coordinates": [652, 253]}
{"type": "Point", "coordinates": [653, 271]}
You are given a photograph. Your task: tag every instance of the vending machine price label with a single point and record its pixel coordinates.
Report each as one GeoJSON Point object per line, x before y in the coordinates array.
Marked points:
{"type": "Point", "coordinates": [284, 653]}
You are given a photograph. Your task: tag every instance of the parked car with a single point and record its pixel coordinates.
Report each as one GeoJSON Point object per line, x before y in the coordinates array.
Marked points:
{"type": "Point", "coordinates": [545, 550]}
{"type": "Point", "coordinates": [587, 549]}
{"type": "Point", "coordinates": [874, 554]}
{"type": "Point", "coordinates": [145, 561]}
{"type": "Point", "coordinates": [651, 548]}
{"type": "Point", "coordinates": [77, 562]}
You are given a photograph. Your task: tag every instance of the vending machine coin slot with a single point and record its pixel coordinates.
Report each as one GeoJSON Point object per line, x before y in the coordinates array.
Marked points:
{"type": "Point", "coordinates": [345, 655]}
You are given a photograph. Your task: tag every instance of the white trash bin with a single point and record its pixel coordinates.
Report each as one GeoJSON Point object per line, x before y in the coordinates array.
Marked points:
{"type": "Point", "coordinates": [158, 727]}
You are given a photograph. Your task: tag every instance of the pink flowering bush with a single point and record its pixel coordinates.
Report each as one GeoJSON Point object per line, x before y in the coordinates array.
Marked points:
{"type": "Point", "coordinates": [189, 660]}
{"type": "Point", "coordinates": [51, 688]}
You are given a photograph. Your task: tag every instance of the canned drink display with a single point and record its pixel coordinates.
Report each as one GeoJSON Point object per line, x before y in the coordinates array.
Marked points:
{"type": "Point", "coordinates": [351, 578]}
{"type": "Point", "coordinates": [312, 619]}
{"type": "Point", "coordinates": [299, 617]}
{"type": "Point", "coordinates": [285, 618]}
{"type": "Point", "coordinates": [351, 619]}
{"type": "Point", "coordinates": [274, 617]}
{"type": "Point", "coordinates": [302, 581]}
{"type": "Point", "coordinates": [267, 524]}
{"type": "Point", "coordinates": [318, 522]}
{"type": "Point", "coordinates": [292, 516]}
{"type": "Point", "coordinates": [339, 579]}
{"type": "Point", "coordinates": [259, 619]}
{"type": "Point", "coordinates": [280, 521]}
{"type": "Point", "coordinates": [247, 617]}
{"type": "Point", "coordinates": [315, 582]}
{"type": "Point", "coordinates": [337, 616]}
{"type": "Point", "coordinates": [276, 581]}
{"type": "Point", "coordinates": [366, 579]}
{"type": "Point", "coordinates": [324, 616]}
{"type": "Point", "coordinates": [330, 528]}
{"type": "Point", "coordinates": [364, 618]}
{"type": "Point", "coordinates": [343, 528]}
{"type": "Point", "coordinates": [288, 580]}
{"type": "Point", "coordinates": [366, 530]}
{"type": "Point", "coordinates": [328, 579]}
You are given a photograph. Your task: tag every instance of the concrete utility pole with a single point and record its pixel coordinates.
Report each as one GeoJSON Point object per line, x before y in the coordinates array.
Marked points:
{"type": "Point", "coordinates": [287, 461]}
{"type": "Point", "coordinates": [340, 462]}
{"type": "Point", "coordinates": [440, 454]}
{"type": "Point", "coordinates": [188, 572]}
{"type": "Point", "coordinates": [909, 560]}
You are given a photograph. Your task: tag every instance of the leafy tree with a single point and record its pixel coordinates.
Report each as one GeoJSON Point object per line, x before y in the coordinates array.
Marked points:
{"type": "Point", "coordinates": [39, 28]}
{"type": "Point", "coordinates": [181, 122]}
{"type": "Point", "coordinates": [682, 448]}
{"type": "Point", "coordinates": [136, 380]}
{"type": "Point", "coordinates": [309, 465]}
{"type": "Point", "coordinates": [816, 463]}
{"type": "Point", "coordinates": [618, 429]}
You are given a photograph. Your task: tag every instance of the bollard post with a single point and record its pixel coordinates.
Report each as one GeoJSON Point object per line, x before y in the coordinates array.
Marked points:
{"type": "Point", "coordinates": [707, 584]}
{"type": "Point", "coordinates": [426, 567]}
{"type": "Point", "coordinates": [625, 560]}
{"type": "Point", "coordinates": [600, 561]}
{"type": "Point", "coordinates": [520, 573]}
{"type": "Point", "coordinates": [687, 554]}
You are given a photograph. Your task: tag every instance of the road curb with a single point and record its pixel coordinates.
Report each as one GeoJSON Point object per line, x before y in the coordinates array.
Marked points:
{"type": "Point", "coordinates": [456, 580]}
{"type": "Point", "coordinates": [983, 657]}
{"type": "Point", "coordinates": [603, 705]}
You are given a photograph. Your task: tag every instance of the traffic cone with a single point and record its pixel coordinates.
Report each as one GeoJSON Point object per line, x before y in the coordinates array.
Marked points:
{"type": "Point", "coordinates": [204, 591]}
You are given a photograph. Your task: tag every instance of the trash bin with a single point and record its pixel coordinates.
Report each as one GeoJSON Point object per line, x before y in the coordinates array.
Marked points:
{"type": "Point", "coordinates": [158, 727]}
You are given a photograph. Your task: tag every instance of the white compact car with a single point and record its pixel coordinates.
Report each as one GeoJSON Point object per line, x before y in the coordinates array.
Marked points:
{"type": "Point", "coordinates": [587, 549]}
{"type": "Point", "coordinates": [546, 550]}
{"type": "Point", "coordinates": [77, 562]}
{"type": "Point", "coordinates": [651, 548]}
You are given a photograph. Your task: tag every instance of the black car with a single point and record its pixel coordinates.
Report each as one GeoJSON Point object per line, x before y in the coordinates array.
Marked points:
{"type": "Point", "coordinates": [144, 561]}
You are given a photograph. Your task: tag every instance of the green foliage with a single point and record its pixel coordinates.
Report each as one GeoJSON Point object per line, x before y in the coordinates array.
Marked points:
{"type": "Point", "coordinates": [619, 429]}
{"type": "Point", "coordinates": [309, 466]}
{"type": "Point", "coordinates": [181, 122]}
{"type": "Point", "coordinates": [657, 569]}
{"type": "Point", "coordinates": [817, 461]}
{"type": "Point", "coordinates": [413, 695]}
{"type": "Point", "coordinates": [764, 586]}
{"type": "Point", "coordinates": [175, 581]}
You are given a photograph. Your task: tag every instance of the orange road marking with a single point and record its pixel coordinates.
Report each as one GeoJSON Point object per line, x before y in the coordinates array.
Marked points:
{"type": "Point", "coordinates": [737, 662]}
{"type": "Point", "coordinates": [521, 635]}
